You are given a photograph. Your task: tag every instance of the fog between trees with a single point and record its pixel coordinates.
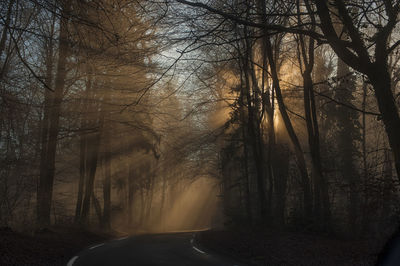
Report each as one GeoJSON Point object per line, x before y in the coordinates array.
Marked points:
{"type": "Point", "coordinates": [177, 115]}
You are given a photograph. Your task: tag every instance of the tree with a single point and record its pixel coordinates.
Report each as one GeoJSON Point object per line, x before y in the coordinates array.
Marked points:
{"type": "Point", "coordinates": [306, 61]}
{"type": "Point", "coordinates": [355, 52]}
{"type": "Point", "coordinates": [45, 187]}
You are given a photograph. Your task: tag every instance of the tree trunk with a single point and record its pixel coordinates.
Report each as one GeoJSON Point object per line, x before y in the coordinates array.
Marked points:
{"type": "Point", "coordinates": [131, 194]}
{"type": "Point", "coordinates": [253, 128]}
{"type": "Point", "coordinates": [150, 194]}
{"type": "Point", "coordinates": [321, 196]}
{"type": "Point", "coordinates": [381, 82]}
{"type": "Point", "coordinates": [257, 153]}
{"type": "Point", "coordinates": [82, 173]}
{"type": "Point", "coordinates": [3, 38]}
{"type": "Point", "coordinates": [46, 110]}
{"type": "Point", "coordinates": [97, 209]}
{"type": "Point", "coordinates": [84, 146]}
{"type": "Point", "coordinates": [281, 173]}
{"type": "Point", "coordinates": [45, 189]}
{"type": "Point", "coordinates": [162, 202]}
{"type": "Point", "coordinates": [365, 211]}
{"type": "Point", "coordinates": [246, 166]}
{"type": "Point", "coordinates": [93, 151]}
{"type": "Point", "coordinates": [307, 199]}
{"type": "Point", "coordinates": [107, 182]}
{"type": "Point", "coordinates": [142, 206]}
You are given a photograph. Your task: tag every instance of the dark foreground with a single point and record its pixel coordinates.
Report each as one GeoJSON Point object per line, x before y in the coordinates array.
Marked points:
{"type": "Point", "coordinates": [251, 247]}
{"type": "Point", "coordinates": [260, 247]}
{"type": "Point", "coordinates": [52, 247]}
{"type": "Point", "coordinates": [160, 249]}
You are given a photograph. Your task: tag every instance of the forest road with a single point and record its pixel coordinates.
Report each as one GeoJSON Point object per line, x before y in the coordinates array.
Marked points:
{"type": "Point", "coordinates": [159, 249]}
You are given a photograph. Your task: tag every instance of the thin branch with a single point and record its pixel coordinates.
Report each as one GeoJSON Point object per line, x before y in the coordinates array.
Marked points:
{"type": "Point", "coordinates": [277, 28]}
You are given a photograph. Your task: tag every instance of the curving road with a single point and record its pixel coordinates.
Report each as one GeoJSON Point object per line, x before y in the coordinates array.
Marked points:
{"type": "Point", "coordinates": [161, 249]}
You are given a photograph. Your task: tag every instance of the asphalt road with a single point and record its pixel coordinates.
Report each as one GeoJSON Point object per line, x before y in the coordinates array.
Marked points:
{"type": "Point", "coordinates": [161, 249]}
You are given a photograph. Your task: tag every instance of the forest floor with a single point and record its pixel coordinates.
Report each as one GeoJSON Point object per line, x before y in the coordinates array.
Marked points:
{"type": "Point", "coordinates": [287, 248]}
{"type": "Point", "coordinates": [55, 246]}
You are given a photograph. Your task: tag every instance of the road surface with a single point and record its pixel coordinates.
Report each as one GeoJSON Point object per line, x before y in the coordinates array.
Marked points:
{"type": "Point", "coordinates": [162, 249]}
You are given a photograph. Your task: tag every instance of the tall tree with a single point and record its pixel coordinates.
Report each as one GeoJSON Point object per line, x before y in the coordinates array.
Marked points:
{"type": "Point", "coordinates": [348, 133]}
{"type": "Point", "coordinates": [306, 62]}
{"type": "Point", "coordinates": [46, 180]}
{"type": "Point", "coordinates": [356, 53]}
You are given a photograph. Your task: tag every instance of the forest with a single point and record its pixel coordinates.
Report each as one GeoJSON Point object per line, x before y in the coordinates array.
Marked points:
{"type": "Point", "coordinates": [244, 118]}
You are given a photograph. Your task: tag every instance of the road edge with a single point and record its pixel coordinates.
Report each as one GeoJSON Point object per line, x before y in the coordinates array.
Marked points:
{"type": "Point", "coordinates": [218, 252]}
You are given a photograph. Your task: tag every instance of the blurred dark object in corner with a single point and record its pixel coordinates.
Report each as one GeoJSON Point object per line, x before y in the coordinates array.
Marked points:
{"type": "Point", "coordinates": [390, 255]}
